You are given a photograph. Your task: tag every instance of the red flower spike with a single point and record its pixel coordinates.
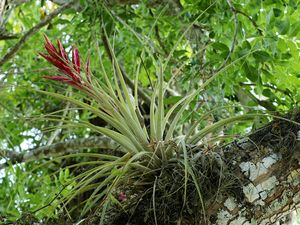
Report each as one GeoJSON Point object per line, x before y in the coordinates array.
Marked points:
{"type": "Point", "coordinates": [76, 60]}
{"type": "Point", "coordinates": [61, 66]}
{"type": "Point", "coordinates": [71, 71]}
{"type": "Point", "coordinates": [63, 79]}
{"type": "Point", "coordinates": [53, 61]}
{"type": "Point", "coordinates": [88, 71]}
{"type": "Point", "coordinates": [59, 78]}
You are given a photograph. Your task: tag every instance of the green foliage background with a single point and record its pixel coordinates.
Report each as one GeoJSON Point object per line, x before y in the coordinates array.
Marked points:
{"type": "Point", "coordinates": [253, 44]}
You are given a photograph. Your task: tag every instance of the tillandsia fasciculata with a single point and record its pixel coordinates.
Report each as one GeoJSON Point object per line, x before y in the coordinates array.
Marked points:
{"type": "Point", "coordinates": [147, 153]}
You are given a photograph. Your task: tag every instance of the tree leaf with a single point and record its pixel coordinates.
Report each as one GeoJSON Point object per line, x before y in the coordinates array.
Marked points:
{"type": "Point", "coordinates": [262, 56]}
{"type": "Point", "coordinates": [251, 72]}
{"type": "Point", "coordinates": [283, 26]}
{"type": "Point", "coordinates": [295, 29]}
{"type": "Point", "coordinates": [277, 12]}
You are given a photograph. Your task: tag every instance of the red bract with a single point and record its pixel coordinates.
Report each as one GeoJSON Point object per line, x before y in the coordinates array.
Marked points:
{"type": "Point", "coordinates": [70, 70]}
{"type": "Point", "coordinates": [87, 68]}
{"type": "Point", "coordinates": [75, 59]}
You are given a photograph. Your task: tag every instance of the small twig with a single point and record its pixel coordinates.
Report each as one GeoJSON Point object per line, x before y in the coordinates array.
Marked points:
{"type": "Point", "coordinates": [32, 31]}
{"type": "Point", "coordinates": [148, 75]}
{"type": "Point", "coordinates": [271, 87]}
{"type": "Point", "coordinates": [158, 36]}
{"type": "Point", "coordinates": [47, 205]}
{"type": "Point", "coordinates": [236, 24]}
{"type": "Point", "coordinates": [251, 20]}
{"type": "Point", "coordinates": [264, 103]}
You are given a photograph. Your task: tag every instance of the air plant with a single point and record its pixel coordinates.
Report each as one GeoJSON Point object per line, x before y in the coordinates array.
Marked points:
{"type": "Point", "coordinates": [145, 151]}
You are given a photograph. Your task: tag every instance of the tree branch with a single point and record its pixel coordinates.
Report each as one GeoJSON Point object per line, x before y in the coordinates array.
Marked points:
{"type": "Point", "coordinates": [99, 142]}
{"type": "Point", "coordinates": [32, 31]}
{"type": "Point", "coordinates": [7, 36]}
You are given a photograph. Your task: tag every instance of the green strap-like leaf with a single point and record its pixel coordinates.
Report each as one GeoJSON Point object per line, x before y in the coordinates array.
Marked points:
{"type": "Point", "coordinates": [211, 128]}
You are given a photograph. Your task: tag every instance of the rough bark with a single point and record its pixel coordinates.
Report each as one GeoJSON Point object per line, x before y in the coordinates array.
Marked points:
{"type": "Point", "coordinates": [266, 164]}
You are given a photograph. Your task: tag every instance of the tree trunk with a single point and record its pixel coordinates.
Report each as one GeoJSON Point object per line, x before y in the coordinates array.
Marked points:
{"type": "Point", "coordinates": [266, 165]}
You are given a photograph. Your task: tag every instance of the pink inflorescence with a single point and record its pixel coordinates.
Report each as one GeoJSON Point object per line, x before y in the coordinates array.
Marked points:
{"type": "Point", "coordinates": [70, 71]}
{"type": "Point", "coordinates": [122, 196]}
